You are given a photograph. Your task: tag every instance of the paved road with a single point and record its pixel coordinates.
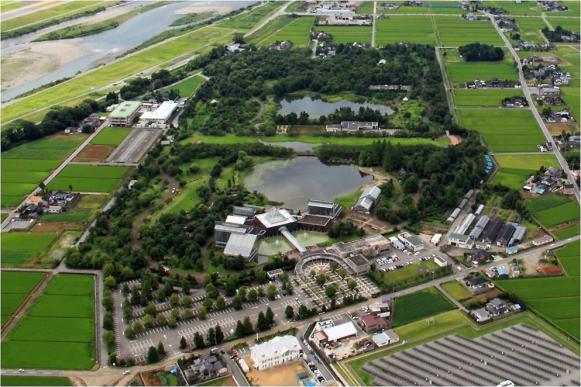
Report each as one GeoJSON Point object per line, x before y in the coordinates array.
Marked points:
{"type": "Point", "coordinates": [527, 93]}
{"type": "Point", "coordinates": [373, 23]}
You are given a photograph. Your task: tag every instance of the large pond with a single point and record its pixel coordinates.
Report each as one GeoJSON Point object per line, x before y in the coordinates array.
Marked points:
{"type": "Point", "coordinates": [293, 182]}
{"type": "Point", "coordinates": [317, 107]}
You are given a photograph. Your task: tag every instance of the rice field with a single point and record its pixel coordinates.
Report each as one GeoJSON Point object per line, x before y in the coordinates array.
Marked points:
{"type": "Point", "coordinates": [530, 29]}
{"type": "Point", "coordinates": [410, 29]}
{"type": "Point", "coordinates": [552, 209]}
{"type": "Point", "coordinates": [111, 136]}
{"type": "Point", "coordinates": [189, 86]}
{"type": "Point", "coordinates": [88, 178]}
{"type": "Point", "coordinates": [16, 286]}
{"type": "Point", "coordinates": [286, 28]}
{"type": "Point", "coordinates": [58, 330]}
{"type": "Point", "coordinates": [483, 97]}
{"type": "Point", "coordinates": [454, 31]}
{"type": "Point", "coordinates": [504, 130]}
{"type": "Point", "coordinates": [348, 34]}
{"type": "Point", "coordinates": [20, 247]}
{"type": "Point", "coordinates": [419, 305]}
{"type": "Point", "coordinates": [514, 170]}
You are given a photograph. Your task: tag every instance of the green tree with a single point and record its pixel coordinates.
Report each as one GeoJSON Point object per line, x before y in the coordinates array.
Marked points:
{"type": "Point", "coordinates": [237, 302]}
{"type": "Point", "coordinates": [183, 343]}
{"type": "Point", "coordinates": [174, 300]}
{"type": "Point", "coordinates": [261, 323]}
{"type": "Point", "coordinates": [202, 313]}
{"type": "Point", "coordinates": [248, 328]}
{"type": "Point", "coordinates": [333, 266]}
{"type": "Point", "coordinates": [152, 355]}
{"type": "Point", "coordinates": [239, 331]}
{"type": "Point", "coordinates": [269, 316]}
{"type": "Point", "coordinates": [220, 303]}
{"type": "Point", "coordinates": [160, 349]}
{"type": "Point", "coordinates": [211, 338]}
{"type": "Point", "coordinates": [110, 282]}
{"type": "Point", "coordinates": [242, 292]}
{"type": "Point", "coordinates": [252, 295]}
{"type": "Point", "coordinates": [219, 334]}
{"type": "Point", "coordinates": [331, 291]}
{"type": "Point", "coordinates": [187, 301]}
{"type": "Point", "coordinates": [352, 284]}
{"type": "Point", "coordinates": [342, 273]}
{"type": "Point", "coordinates": [271, 291]}
{"type": "Point", "coordinates": [321, 279]}
{"type": "Point", "coordinates": [199, 341]}
{"type": "Point", "coordinates": [188, 314]}
{"type": "Point", "coordinates": [289, 312]}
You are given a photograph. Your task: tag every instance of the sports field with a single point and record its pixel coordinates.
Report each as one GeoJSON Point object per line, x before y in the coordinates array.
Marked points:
{"type": "Point", "coordinates": [27, 165]}
{"type": "Point", "coordinates": [189, 86]}
{"type": "Point", "coordinates": [15, 287]}
{"type": "Point", "coordinates": [454, 31]}
{"type": "Point", "coordinates": [504, 130]}
{"type": "Point", "coordinates": [555, 298]}
{"type": "Point", "coordinates": [483, 97]}
{"type": "Point", "coordinates": [410, 29]}
{"type": "Point", "coordinates": [514, 170]}
{"type": "Point", "coordinates": [20, 247]}
{"type": "Point", "coordinates": [419, 305]}
{"type": "Point", "coordinates": [552, 209]}
{"type": "Point", "coordinates": [88, 178]}
{"type": "Point", "coordinates": [58, 330]}
{"type": "Point", "coordinates": [285, 28]}
{"type": "Point", "coordinates": [347, 34]}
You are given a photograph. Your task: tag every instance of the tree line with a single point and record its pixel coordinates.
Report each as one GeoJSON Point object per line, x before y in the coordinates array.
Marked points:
{"type": "Point", "coordinates": [479, 52]}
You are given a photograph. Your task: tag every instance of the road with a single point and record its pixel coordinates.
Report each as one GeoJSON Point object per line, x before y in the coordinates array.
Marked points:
{"type": "Point", "coordinates": [562, 162]}
{"type": "Point", "coordinates": [373, 23]}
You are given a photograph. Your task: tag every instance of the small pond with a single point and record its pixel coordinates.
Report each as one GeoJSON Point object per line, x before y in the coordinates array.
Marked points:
{"type": "Point", "coordinates": [317, 107]}
{"type": "Point", "coordinates": [293, 182]}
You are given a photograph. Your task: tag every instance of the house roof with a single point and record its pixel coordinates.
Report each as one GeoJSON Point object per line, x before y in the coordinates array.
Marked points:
{"type": "Point", "coordinates": [125, 109]}
{"type": "Point", "coordinates": [163, 111]}
{"type": "Point", "coordinates": [235, 219]}
{"type": "Point", "coordinates": [275, 347]}
{"type": "Point", "coordinates": [371, 319]}
{"type": "Point", "coordinates": [241, 244]}
{"type": "Point", "coordinates": [276, 217]}
{"type": "Point", "coordinates": [341, 331]}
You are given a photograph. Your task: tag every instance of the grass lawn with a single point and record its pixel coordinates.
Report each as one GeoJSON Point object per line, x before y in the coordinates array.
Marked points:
{"type": "Point", "coordinates": [111, 136]}
{"type": "Point", "coordinates": [419, 305]}
{"type": "Point", "coordinates": [483, 97]}
{"type": "Point", "coordinates": [58, 331]}
{"type": "Point", "coordinates": [410, 271]}
{"type": "Point", "coordinates": [551, 210]}
{"type": "Point", "coordinates": [454, 31]}
{"type": "Point", "coordinates": [34, 381]}
{"type": "Point", "coordinates": [457, 290]}
{"type": "Point", "coordinates": [514, 170]}
{"type": "Point", "coordinates": [347, 34]}
{"type": "Point", "coordinates": [15, 287]}
{"type": "Point", "coordinates": [285, 28]}
{"type": "Point", "coordinates": [88, 178]}
{"type": "Point", "coordinates": [18, 248]}
{"type": "Point", "coordinates": [189, 86]}
{"type": "Point", "coordinates": [504, 130]}
{"type": "Point", "coordinates": [410, 29]}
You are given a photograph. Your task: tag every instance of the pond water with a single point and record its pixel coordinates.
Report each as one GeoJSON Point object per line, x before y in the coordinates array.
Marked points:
{"type": "Point", "coordinates": [293, 182]}
{"type": "Point", "coordinates": [317, 107]}
{"type": "Point", "coordinates": [274, 245]}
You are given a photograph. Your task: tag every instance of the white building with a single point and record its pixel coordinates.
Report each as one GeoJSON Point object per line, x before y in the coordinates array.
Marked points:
{"type": "Point", "coordinates": [279, 350]}
{"type": "Point", "coordinates": [367, 200]}
{"type": "Point", "coordinates": [339, 332]}
{"type": "Point", "coordinates": [411, 241]}
{"type": "Point", "coordinates": [160, 117]}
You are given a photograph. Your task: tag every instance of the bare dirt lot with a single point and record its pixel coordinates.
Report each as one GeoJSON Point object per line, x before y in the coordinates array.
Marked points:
{"type": "Point", "coordinates": [94, 153]}
{"type": "Point", "coordinates": [284, 375]}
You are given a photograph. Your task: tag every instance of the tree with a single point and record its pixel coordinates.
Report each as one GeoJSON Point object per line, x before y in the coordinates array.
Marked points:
{"type": "Point", "coordinates": [237, 302]}
{"type": "Point", "coordinates": [261, 323]}
{"type": "Point", "coordinates": [242, 292]}
{"type": "Point", "coordinates": [188, 314]}
{"type": "Point", "coordinates": [199, 341]}
{"type": "Point", "coordinates": [187, 301]}
{"type": "Point", "coordinates": [174, 300]}
{"type": "Point", "coordinates": [252, 295]}
{"type": "Point", "coordinates": [202, 312]}
{"type": "Point", "coordinates": [110, 282]}
{"type": "Point", "coordinates": [333, 266]}
{"type": "Point", "coordinates": [289, 312]}
{"type": "Point", "coordinates": [219, 335]}
{"type": "Point", "coordinates": [248, 328]}
{"type": "Point", "coordinates": [220, 303]}
{"type": "Point", "coordinates": [342, 273]}
{"type": "Point", "coordinates": [303, 311]}
{"type": "Point", "coordinates": [331, 291]}
{"type": "Point", "coordinates": [269, 316]}
{"type": "Point", "coordinates": [183, 343]}
{"type": "Point", "coordinates": [271, 292]}
{"type": "Point", "coordinates": [321, 279]}
{"type": "Point", "coordinates": [352, 284]}
{"type": "Point", "coordinates": [152, 355]}
{"type": "Point", "coordinates": [160, 349]}
{"type": "Point", "coordinates": [211, 338]}
{"type": "Point", "coordinates": [239, 331]}
{"type": "Point", "coordinates": [137, 328]}
{"type": "Point", "coordinates": [211, 291]}
{"type": "Point", "coordinates": [108, 321]}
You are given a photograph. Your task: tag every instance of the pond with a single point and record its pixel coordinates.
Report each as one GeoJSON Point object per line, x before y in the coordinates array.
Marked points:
{"type": "Point", "coordinates": [317, 107]}
{"type": "Point", "coordinates": [293, 182]}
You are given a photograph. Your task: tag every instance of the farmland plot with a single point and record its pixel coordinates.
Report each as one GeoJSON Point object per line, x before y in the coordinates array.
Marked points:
{"type": "Point", "coordinates": [419, 305]}
{"type": "Point", "coordinates": [15, 288]}
{"type": "Point", "coordinates": [410, 29]}
{"type": "Point", "coordinates": [514, 170]}
{"type": "Point", "coordinates": [454, 31]}
{"type": "Point", "coordinates": [296, 30]}
{"type": "Point", "coordinates": [18, 248]}
{"type": "Point", "coordinates": [483, 97]}
{"type": "Point", "coordinates": [347, 34]}
{"type": "Point", "coordinates": [88, 178]}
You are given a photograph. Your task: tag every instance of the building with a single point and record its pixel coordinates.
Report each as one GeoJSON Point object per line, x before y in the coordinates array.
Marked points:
{"type": "Point", "coordinates": [367, 200]}
{"type": "Point", "coordinates": [160, 117]}
{"type": "Point", "coordinates": [340, 332]}
{"type": "Point", "coordinates": [412, 242]}
{"type": "Point", "coordinates": [372, 323]}
{"type": "Point", "coordinates": [274, 219]}
{"type": "Point", "coordinates": [352, 126]}
{"type": "Point", "coordinates": [493, 230]}
{"type": "Point", "coordinates": [358, 264]}
{"type": "Point", "coordinates": [465, 225]}
{"type": "Point", "coordinates": [324, 208]}
{"type": "Point", "coordinates": [453, 215]}
{"type": "Point", "coordinates": [369, 246]}
{"type": "Point", "coordinates": [436, 238]}
{"type": "Point", "coordinates": [222, 232]}
{"type": "Point", "coordinates": [505, 234]}
{"type": "Point", "coordinates": [518, 236]}
{"type": "Point", "coordinates": [381, 339]}
{"type": "Point", "coordinates": [396, 243]}
{"type": "Point", "coordinates": [477, 282]}
{"type": "Point", "coordinates": [479, 256]}
{"type": "Point", "coordinates": [125, 113]}
{"type": "Point", "coordinates": [242, 245]}
{"type": "Point", "coordinates": [205, 368]}
{"type": "Point", "coordinates": [461, 240]}
{"type": "Point", "coordinates": [479, 227]}
{"type": "Point", "coordinates": [247, 212]}
{"type": "Point", "coordinates": [277, 351]}
{"type": "Point", "coordinates": [440, 261]}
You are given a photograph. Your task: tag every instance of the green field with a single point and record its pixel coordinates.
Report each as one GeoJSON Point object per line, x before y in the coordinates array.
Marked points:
{"type": "Point", "coordinates": [525, 8]}
{"type": "Point", "coordinates": [504, 130]}
{"type": "Point", "coordinates": [410, 29]}
{"type": "Point", "coordinates": [461, 72]}
{"type": "Point", "coordinates": [111, 136]}
{"type": "Point", "coordinates": [408, 272]}
{"type": "Point", "coordinates": [285, 28]}
{"type": "Point", "coordinates": [530, 29]}
{"type": "Point", "coordinates": [555, 298]}
{"type": "Point", "coordinates": [249, 19]}
{"type": "Point", "coordinates": [88, 178]}
{"type": "Point", "coordinates": [552, 209]}
{"type": "Point", "coordinates": [568, 24]}
{"type": "Point", "coordinates": [514, 170]}
{"type": "Point", "coordinates": [457, 290]}
{"type": "Point", "coordinates": [571, 95]}
{"type": "Point", "coordinates": [348, 34]}
{"type": "Point", "coordinates": [454, 31]}
{"type": "Point", "coordinates": [84, 210]}
{"type": "Point", "coordinates": [483, 97]}
{"type": "Point", "coordinates": [189, 86]}
{"type": "Point", "coordinates": [58, 331]}
{"type": "Point", "coordinates": [574, 9]}
{"type": "Point", "coordinates": [15, 287]}
{"type": "Point", "coordinates": [24, 166]}
{"type": "Point", "coordinates": [34, 381]}
{"type": "Point", "coordinates": [567, 232]}
{"type": "Point", "coordinates": [570, 60]}
{"type": "Point", "coordinates": [419, 305]}
{"type": "Point", "coordinates": [20, 247]}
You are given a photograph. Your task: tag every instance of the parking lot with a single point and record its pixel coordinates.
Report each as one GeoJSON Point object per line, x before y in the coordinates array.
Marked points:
{"type": "Point", "coordinates": [132, 149]}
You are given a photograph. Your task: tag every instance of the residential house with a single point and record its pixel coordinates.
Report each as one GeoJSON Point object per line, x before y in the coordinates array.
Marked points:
{"type": "Point", "coordinates": [275, 352]}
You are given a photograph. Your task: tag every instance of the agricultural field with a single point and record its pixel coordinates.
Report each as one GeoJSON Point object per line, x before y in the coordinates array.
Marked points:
{"type": "Point", "coordinates": [189, 86]}
{"type": "Point", "coordinates": [570, 60]}
{"type": "Point", "coordinates": [347, 34]}
{"type": "Point", "coordinates": [457, 290]}
{"type": "Point", "coordinates": [419, 305]}
{"type": "Point", "coordinates": [88, 178]}
{"type": "Point", "coordinates": [483, 97]}
{"type": "Point", "coordinates": [571, 95]}
{"type": "Point", "coordinates": [552, 209]}
{"type": "Point", "coordinates": [102, 145]}
{"type": "Point", "coordinates": [525, 8]}
{"type": "Point", "coordinates": [35, 381]}
{"type": "Point", "coordinates": [445, 7]}
{"type": "Point", "coordinates": [570, 24]}
{"type": "Point", "coordinates": [460, 71]}
{"type": "Point", "coordinates": [530, 29]}
{"type": "Point", "coordinates": [58, 330]}
{"type": "Point", "coordinates": [568, 231]}
{"type": "Point", "coordinates": [111, 136]}
{"type": "Point", "coordinates": [24, 166]}
{"type": "Point", "coordinates": [285, 28]}
{"type": "Point", "coordinates": [16, 286]}
{"type": "Point", "coordinates": [504, 130]}
{"type": "Point", "coordinates": [574, 9]}
{"type": "Point", "coordinates": [514, 170]}
{"type": "Point", "coordinates": [10, 5]}
{"type": "Point", "coordinates": [83, 211]}
{"type": "Point", "coordinates": [454, 31]}
{"type": "Point", "coordinates": [555, 298]}
{"type": "Point", "coordinates": [249, 19]}
{"type": "Point", "coordinates": [20, 247]}
{"type": "Point", "coordinates": [411, 29]}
